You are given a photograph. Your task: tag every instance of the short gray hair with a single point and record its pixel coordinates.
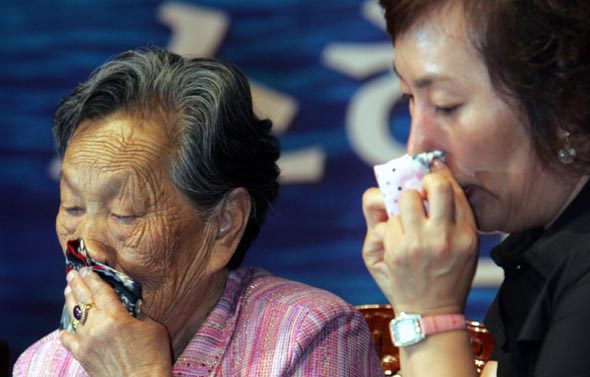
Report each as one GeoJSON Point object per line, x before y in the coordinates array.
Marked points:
{"type": "Point", "coordinates": [220, 144]}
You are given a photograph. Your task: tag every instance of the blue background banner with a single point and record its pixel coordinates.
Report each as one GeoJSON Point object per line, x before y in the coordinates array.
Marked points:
{"type": "Point", "coordinates": [321, 70]}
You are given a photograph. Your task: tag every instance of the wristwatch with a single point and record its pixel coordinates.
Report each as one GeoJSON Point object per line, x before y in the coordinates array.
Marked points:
{"type": "Point", "coordinates": [409, 329]}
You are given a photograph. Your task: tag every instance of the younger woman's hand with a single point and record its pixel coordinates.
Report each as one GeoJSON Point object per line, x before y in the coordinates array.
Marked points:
{"type": "Point", "coordinates": [423, 260]}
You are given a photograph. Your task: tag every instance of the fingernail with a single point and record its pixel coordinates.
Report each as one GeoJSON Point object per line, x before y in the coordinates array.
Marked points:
{"type": "Point", "coordinates": [84, 272]}
{"type": "Point", "coordinates": [70, 275]}
{"type": "Point", "coordinates": [437, 164]}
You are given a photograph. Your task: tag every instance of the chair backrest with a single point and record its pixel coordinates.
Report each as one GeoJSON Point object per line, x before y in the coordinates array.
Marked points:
{"type": "Point", "coordinates": [4, 358]}
{"type": "Point", "coordinates": [378, 318]}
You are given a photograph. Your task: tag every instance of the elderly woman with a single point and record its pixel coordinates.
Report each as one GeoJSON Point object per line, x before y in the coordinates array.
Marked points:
{"type": "Point", "coordinates": [167, 176]}
{"type": "Point", "coordinates": [503, 89]}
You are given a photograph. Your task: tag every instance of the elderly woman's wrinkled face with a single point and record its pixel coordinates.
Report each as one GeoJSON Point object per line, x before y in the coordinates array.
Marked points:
{"type": "Point", "coordinates": [116, 194]}
{"type": "Point", "coordinates": [455, 108]}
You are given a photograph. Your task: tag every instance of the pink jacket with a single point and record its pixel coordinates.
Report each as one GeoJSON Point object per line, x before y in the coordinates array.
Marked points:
{"type": "Point", "coordinates": [262, 325]}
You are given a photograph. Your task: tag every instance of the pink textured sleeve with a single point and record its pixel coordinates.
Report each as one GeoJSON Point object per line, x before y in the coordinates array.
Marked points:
{"type": "Point", "coordinates": [47, 357]}
{"type": "Point", "coordinates": [336, 345]}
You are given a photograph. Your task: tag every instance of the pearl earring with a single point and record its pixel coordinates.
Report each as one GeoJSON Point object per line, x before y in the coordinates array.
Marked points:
{"type": "Point", "coordinates": [567, 154]}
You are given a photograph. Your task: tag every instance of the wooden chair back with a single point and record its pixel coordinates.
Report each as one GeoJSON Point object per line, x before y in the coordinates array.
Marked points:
{"type": "Point", "coordinates": [378, 318]}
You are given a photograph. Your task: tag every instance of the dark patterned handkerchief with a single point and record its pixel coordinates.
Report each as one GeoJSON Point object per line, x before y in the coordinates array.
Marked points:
{"type": "Point", "coordinates": [127, 289]}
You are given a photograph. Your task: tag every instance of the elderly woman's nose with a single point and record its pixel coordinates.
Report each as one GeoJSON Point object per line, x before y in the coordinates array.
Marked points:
{"type": "Point", "coordinates": [93, 231]}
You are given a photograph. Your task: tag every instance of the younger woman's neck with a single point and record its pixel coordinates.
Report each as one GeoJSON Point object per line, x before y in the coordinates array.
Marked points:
{"type": "Point", "coordinates": [575, 191]}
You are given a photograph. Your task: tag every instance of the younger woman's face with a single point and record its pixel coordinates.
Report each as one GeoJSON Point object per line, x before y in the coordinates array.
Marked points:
{"type": "Point", "coordinates": [455, 108]}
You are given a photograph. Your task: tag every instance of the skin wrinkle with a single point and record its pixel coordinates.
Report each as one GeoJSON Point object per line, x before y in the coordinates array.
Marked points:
{"type": "Point", "coordinates": [159, 130]}
{"type": "Point", "coordinates": [166, 246]}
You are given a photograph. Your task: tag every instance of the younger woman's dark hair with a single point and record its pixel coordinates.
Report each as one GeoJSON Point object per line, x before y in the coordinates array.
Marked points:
{"type": "Point", "coordinates": [536, 51]}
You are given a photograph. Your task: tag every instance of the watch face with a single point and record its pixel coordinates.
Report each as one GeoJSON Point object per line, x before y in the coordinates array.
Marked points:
{"type": "Point", "coordinates": [406, 331]}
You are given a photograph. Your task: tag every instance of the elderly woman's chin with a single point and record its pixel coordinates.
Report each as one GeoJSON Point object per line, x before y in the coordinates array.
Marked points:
{"type": "Point", "coordinates": [158, 181]}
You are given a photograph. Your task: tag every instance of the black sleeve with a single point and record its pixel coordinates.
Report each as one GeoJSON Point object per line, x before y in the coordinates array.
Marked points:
{"type": "Point", "coordinates": [565, 350]}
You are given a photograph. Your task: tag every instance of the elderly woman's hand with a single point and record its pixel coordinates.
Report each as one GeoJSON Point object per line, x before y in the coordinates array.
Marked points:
{"type": "Point", "coordinates": [110, 342]}
{"type": "Point", "coordinates": [424, 261]}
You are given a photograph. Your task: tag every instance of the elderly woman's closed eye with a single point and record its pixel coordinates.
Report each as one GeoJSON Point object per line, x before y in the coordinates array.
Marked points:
{"type": "Point", "coordinates": [167, 176]}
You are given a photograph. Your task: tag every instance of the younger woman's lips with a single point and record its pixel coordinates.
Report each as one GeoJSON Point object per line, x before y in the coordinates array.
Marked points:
{"type": "Point", "coordinates": [468, 190]}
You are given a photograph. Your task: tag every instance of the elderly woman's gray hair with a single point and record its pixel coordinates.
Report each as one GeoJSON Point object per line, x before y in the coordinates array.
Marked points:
{"type": "Point", "coordinates": [205, 106]}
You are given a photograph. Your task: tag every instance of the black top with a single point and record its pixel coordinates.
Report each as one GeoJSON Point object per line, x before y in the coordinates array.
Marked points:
{"type": "Point", "coordinates": [540, 318]}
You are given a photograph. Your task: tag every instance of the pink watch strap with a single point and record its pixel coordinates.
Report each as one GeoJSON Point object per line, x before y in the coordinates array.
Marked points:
{"type": "Point", "coordinates": [434, 324]}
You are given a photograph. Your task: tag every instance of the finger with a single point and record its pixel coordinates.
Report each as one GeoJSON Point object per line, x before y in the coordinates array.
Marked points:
{"type": "Point", "coordinates": [79, 300]}
{"type": "Point", "coordinates": [393, 234]}
{"type": "Point", "coordinates": [103, 294]}
{"type": "Point", "coordinates": [374, 256]}
{"type": "Point", "coordinates": [395, 229]}
{"type": "Point", "coordinates": [79, 290]}
{"type": "Point", "coordinates": [462, 208]}
{"type": "Point", "coordinates": [440, 168]}
{"type": "Point", "coordinates": [373, 245]}
{"type": "Point", "coordinates": [71, 300]}
{"type": "Point", "coordinates": [374, 207]}
{"type": "Point", "coordinates": [70, 341]}
{"type": "Point", "coordinates": [440, 195]}
{"type": "Point", "coordinates": [412, 212]}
